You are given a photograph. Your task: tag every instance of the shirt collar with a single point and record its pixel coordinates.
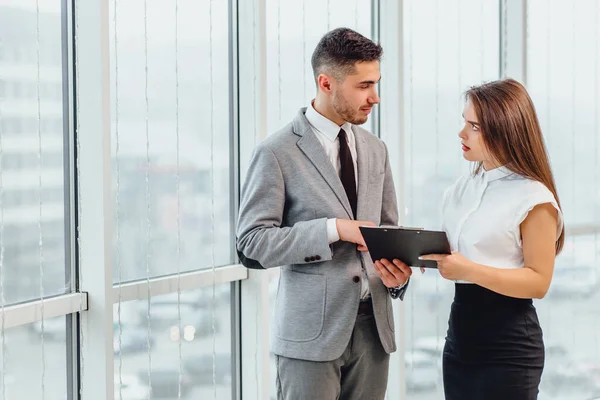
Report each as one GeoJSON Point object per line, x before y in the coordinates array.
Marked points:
{"type": "Point", "coordinates": [495, 174]}
{"type": "Point", "coordinates": [325, 126]}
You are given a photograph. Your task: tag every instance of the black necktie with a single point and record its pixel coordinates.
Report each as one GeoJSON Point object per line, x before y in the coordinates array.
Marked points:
{"type": "Point", "coordinates": [347, 171]}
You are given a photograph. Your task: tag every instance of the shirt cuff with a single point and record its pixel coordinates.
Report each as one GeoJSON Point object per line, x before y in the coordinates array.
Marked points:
{"type": "Point", "coordinates": [399, 291]}
{"type": "Point", "coordinates": [332, 233]}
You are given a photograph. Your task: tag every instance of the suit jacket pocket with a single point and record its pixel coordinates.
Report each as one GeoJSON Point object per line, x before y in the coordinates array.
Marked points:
{"type": "Point", "coordinates": [300, 306]}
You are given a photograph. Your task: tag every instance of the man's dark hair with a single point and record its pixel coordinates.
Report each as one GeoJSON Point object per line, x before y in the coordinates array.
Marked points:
{"type": "Point", "coordinates": [339, 50]}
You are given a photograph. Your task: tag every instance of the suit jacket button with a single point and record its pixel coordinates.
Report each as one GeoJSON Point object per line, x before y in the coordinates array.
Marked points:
{"type": "Point", "coordinates": [318, 258]}
{"type": "Point", "coordinates": [312, 258]}
{"type": "Point", "coordinates": [307, 259]}
{"type": "Point", "coordinates": [356, 279]}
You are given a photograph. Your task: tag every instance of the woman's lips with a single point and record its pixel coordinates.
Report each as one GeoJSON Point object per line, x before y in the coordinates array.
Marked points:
{"type": "Point", "coordinates": [465, 148]}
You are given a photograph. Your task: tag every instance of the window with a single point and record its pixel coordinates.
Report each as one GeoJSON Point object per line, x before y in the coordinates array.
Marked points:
{"type": "Point", "coordinates": [150, 346]}
{"type": "Point", "coordinates": [564, 81]}
{"type": "Point", "coordinates": [34, 363]}
{"type": "Point", "coordinates": [172, 181]}
{"type": "Point", "coordinates": [160, 188]}
{"type": "Point", "coordinates": [449, 46]}
{"type": "Point", "coordinates": [21, 118]}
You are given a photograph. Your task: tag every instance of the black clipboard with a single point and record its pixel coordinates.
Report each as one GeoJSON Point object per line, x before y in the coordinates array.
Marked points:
{"type": "Point", "coordinates": [405, 244]}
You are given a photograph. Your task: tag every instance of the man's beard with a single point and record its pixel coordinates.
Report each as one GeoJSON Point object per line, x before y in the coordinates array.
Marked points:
{"type": "Point", "coordinates": [344, 110]}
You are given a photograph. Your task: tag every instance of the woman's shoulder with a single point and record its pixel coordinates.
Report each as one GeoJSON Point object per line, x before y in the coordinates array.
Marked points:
{"type": "Point", "coordinates": [530, 188]}
{"type": "Point", "coordinates": [528, 193]}
{"type": "Point", "coordinates": [532, 193]}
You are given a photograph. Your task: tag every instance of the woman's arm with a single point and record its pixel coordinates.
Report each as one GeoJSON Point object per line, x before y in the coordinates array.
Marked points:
{"type": "Point", "coordinates": [538, 233]}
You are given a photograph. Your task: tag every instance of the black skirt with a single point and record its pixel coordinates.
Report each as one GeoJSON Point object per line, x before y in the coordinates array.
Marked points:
{"type": "Point", "coordinates": [494, 347]}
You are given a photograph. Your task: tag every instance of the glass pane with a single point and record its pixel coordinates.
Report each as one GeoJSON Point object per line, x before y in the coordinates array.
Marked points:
{"type": "Point", "coordinates": [449, 46]}
{"type": "Point", "coordinates": [205, 326]}
{"type": "Point", "coordinates": [32, 232]}
{"type": "Point", "coordinates": [33, 365]}
{"type": "Point", "coordinates": [564, 81]}
{"type": "Point", "coordinates": [164, 189]}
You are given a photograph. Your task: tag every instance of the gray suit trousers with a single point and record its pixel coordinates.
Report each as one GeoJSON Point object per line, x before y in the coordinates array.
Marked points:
{"type": "Point", "coordinates": [361, 373]}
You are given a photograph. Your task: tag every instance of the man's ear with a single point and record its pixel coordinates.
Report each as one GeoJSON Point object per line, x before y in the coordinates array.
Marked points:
{"type": "Point", "coordinates": [324, 81]}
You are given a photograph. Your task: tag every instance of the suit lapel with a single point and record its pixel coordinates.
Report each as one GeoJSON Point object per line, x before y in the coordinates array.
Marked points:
{"type": "Point", "coordinates": [312, 148]}
{"type": "Point", "coordinates": [362, 154]}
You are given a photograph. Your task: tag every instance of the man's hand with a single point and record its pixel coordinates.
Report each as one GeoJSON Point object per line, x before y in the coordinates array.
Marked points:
{"type": "Point", "coordinates": [393, 275]}
{"type": "Point", "coordinates": [349, 232]}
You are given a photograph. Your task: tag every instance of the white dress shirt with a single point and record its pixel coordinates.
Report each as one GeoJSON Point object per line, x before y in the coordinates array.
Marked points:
{"type": "Point", "coordinates": [482, 214]}
{"type": "Point", "coordinates": [327, 132]}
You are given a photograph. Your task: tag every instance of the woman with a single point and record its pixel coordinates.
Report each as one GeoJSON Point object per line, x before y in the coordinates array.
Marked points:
{"type": "Point", "coordinates": [505, 227]}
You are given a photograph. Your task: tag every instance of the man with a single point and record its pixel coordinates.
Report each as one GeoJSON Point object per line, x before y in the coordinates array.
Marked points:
{"type": "Point", "coordinates": [308, 189]}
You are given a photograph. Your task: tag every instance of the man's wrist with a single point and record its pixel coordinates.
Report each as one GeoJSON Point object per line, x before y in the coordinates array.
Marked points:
{"type": "Point", "coordinates": [399, 291]}
{"type": "Point", "coordinates": [332, 232]}
{"type": "Point", "coordinates": [403, 285]}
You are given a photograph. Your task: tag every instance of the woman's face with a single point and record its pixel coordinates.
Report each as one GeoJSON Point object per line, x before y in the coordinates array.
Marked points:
{"type": "Point", "coordinates": [473, 146]}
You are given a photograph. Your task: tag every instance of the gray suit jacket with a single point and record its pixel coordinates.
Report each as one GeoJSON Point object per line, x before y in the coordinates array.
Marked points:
{"type": "Point", "coordinates": [290, 190]}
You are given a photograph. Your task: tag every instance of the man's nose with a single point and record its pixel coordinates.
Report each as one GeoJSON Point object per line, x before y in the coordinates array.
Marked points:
{"type": "Point", "coordinates": [374, 99]}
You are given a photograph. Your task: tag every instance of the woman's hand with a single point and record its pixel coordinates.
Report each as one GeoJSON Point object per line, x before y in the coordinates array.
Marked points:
{"type": "Point", "coordinates": [453, 266]}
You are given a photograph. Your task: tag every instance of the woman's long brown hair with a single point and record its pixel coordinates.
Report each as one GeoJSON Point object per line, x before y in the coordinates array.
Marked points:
{"type": "Point", "coordinates": [512, 134]}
